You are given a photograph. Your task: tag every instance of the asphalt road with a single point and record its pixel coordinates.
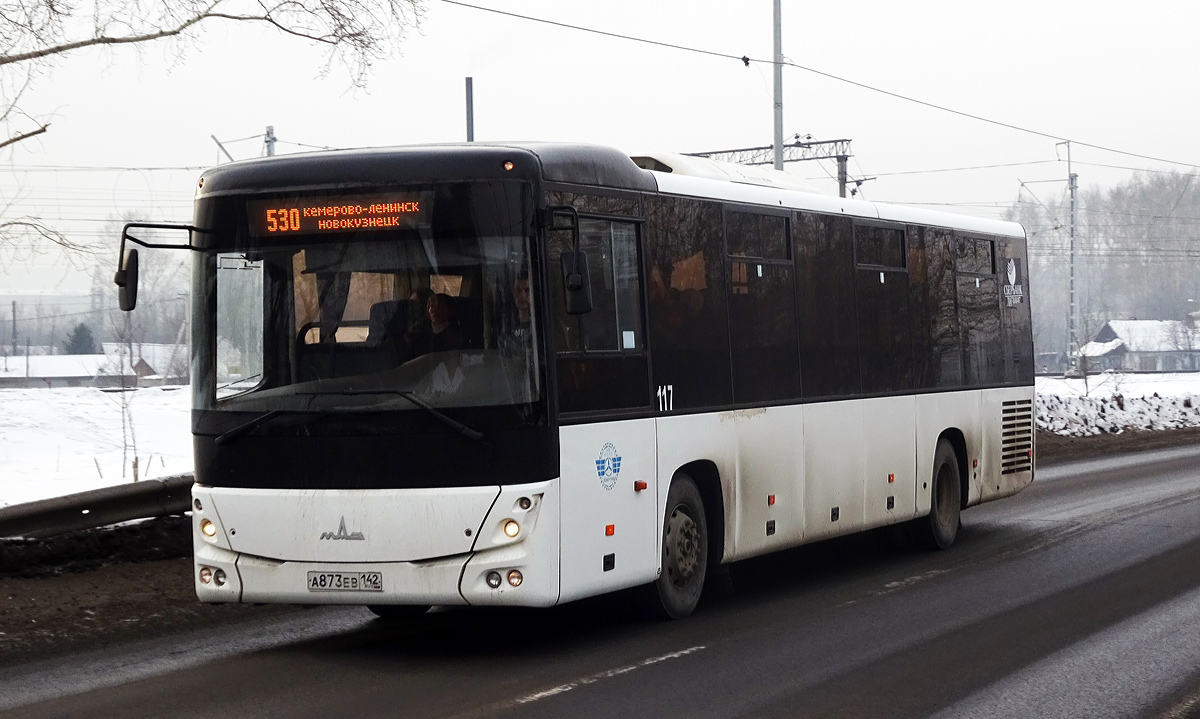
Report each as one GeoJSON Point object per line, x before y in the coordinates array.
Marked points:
{"type": "Point", "coordinates": [1080, 597]}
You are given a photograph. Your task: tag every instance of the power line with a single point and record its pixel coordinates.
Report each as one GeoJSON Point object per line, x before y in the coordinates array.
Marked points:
{"type": "Point", "coordinates": [90, 312]}
{"type": "Point", "coordinates": [746, 60]}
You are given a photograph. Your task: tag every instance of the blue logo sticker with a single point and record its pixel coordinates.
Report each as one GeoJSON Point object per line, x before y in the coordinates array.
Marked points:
{"type": "Point", "coordinates": [608, 466]}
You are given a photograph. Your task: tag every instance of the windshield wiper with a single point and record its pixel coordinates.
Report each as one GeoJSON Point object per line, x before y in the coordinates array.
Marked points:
{"type": "Point", "coordinates": [239, 381]}
{"type": "Point", "coordinates": [447, 420]}
{"type": "Point", "coordinates": [260, 420]}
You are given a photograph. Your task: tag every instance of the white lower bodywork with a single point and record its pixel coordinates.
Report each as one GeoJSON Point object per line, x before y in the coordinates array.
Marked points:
{"type": "Point", "coordinates": [593, 530]}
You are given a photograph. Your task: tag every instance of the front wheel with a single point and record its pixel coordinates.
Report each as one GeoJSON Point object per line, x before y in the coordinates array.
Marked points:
{"type": "Point", "coordinates": [939, 529]}
{"type": "Point", "coordinates": [684, 550]}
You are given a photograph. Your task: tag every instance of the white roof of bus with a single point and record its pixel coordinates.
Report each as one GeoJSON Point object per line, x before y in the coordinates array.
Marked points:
{"type": "Point", "coordinates": [701, 177]}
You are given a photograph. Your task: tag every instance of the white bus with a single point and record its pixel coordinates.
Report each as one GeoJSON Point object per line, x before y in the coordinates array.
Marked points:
{"type": "Point", "coordinates": [525, 374]}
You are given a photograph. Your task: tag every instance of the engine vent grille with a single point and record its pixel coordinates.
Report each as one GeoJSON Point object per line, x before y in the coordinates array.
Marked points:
{"type": "Point", "coordinates": [1017, 435]}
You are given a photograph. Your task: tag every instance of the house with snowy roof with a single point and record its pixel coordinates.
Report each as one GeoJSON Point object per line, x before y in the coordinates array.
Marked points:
{"type": "Point", "coordinates": [1144, 346]}
{"type": "Point", "coordinates": [39, 371]}
{"type": "Point", "coordinates": [154, 363]}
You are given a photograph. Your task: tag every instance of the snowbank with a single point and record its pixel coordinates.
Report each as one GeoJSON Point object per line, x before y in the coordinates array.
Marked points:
{"type": "Point", "coordinates": [1114, 403]}
{"type": "Point", "coordinates": [58, 441]}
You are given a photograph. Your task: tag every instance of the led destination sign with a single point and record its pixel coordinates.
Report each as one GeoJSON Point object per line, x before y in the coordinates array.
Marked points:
{"type": "Point", "coordinates": [317, 215]}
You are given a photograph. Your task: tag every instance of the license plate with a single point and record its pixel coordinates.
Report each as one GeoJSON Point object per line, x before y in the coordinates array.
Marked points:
{"type": "Point", "coordinates": [345, 581]}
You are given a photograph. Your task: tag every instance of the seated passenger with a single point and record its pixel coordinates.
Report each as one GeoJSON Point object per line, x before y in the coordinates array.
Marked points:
{"type": "Point", "coordinates": [439, 331]}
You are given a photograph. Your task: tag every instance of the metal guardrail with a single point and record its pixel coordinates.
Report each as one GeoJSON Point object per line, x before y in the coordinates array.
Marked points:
{"type": "Point", "coordinates": [98, 507]}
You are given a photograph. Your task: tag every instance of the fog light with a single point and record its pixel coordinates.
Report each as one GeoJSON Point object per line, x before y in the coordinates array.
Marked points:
{"type": "Point", "coordinates": [511, 528]}
{"type": "Point", "coordinates": [219, 577]}
{"type": "Point", "coordinates": [524, 503]}
{"type": "Point", "coordinates": [493, 579]}
{"type": "Point", "coordinates": [205, 575]}
{"type": "Point", "coordinates": [208, 528]}
{"type": "Point", "coordinates": [514, 578]}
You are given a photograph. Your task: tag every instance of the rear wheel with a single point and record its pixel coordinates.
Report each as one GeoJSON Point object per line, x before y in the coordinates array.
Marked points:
{"type": "Point", "coordinates": [684, 550]}
{"type": "Point", "coordinates": [939, 529]}
{"type": "Point", "coordinates": [398, 612]}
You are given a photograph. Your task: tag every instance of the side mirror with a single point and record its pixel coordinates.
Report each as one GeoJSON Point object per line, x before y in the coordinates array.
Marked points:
{"type": "Point", "coordinates": [577, 283]}
{"type": "Point", "coordinates": [126, 280]}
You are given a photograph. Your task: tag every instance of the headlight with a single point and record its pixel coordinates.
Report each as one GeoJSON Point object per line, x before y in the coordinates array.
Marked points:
{"type": "Point", "coordinates": [515, 578]}
{"type": "Point", "coordinates": [511, 528]}
{"type": "Point", "coordinates": [208, 528]}
{"type": "Point", "coordinates": [205, 575]}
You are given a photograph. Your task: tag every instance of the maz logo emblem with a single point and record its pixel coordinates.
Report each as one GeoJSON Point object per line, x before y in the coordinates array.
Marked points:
{"type": "Point", "coordinates": [342, 533]}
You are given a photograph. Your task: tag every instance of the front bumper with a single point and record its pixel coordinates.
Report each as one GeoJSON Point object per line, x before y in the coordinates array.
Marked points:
{"type": "Point", "coordinates": [460, 579]}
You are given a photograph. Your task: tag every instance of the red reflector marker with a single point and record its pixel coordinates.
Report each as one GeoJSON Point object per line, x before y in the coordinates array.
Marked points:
{"type": "Point", "coordinates": [976, 464]}
{"type": "Point", "coordinates": [770, 500]}
{"type": "Point", "coordinates": [639, 485]}
{"type": "Point", "coordinates": [891, 478]}
{"type": "Point", "coordinates": [610, 530]}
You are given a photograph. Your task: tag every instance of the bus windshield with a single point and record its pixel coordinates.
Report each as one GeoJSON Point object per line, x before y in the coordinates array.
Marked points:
{"type": "Point", "coordinates": [358, 324]}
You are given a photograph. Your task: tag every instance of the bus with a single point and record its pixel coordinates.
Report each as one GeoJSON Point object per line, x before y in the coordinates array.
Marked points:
{"type": "Point", "coordinates": [524, 374]}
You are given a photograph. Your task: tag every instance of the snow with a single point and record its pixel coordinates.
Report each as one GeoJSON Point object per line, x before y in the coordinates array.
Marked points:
{"type": "Point", "coordinates": [1116, 402]}
{"type": "Point", "coordinates": [60, 441]}
{"type": "Point", "coordinates": [63, 366]}
{"type": "Point", "coordinates": [1099, 349]}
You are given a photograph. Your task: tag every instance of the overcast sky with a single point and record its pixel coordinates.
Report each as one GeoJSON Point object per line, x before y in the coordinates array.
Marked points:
{"type": "Point", "coordinates": [1113, 74]}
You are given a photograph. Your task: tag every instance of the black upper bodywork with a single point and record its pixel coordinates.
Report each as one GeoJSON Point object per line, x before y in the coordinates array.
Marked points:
{"type": "Point", "coordinates": [383, 449]}
{"type": "Point", "coordinates": [574, 164]}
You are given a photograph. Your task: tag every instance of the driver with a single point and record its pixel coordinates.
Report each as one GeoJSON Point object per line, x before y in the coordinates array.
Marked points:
{"type": "Point", "coordinates": [440, 329]}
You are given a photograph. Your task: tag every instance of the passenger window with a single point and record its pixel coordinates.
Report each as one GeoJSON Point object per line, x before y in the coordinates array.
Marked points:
{"type": "Point", "coordinates": [975, 256]}
{"type": "Point", "coordinates": [879, 246]}
{"type": "Point", "coordinates": [752, 235]}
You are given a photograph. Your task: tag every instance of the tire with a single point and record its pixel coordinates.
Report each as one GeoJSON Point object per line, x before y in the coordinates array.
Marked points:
{"type": "Point", "coordinates": [939, 529]}
{"type": "Point", "coordinates": [685, 551]}
{"type": "Point", "coordinates": [398, 612]}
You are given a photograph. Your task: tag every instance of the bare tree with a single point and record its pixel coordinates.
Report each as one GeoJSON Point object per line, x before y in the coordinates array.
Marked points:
{"type": "Point", "coordinates": [37, 34]}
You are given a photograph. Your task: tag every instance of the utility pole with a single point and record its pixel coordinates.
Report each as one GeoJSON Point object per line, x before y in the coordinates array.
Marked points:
{"type": "Point", "coordinates": [14, 328]}
{"type": "Point", "coordinates": [269, 141]}
{"type": "Point", "coordinates": [1073, 340]}
{"type": "Point", "coordinates": [779, 85]}
{"type": "Point", "coordinates": [842, 175]}
{"type": "Point", "coordinates": [470, 109]}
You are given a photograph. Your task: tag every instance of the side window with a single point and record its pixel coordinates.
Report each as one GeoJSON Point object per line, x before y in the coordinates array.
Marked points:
{"type": "Point", "coordinates": [979, 311]}
{"type": "Point", "coordinates": [937, 349]}
{"type": "Point", "coordinates": [601, 358]}
{"type": "Point", "coordinates": [975, 256]}
{"type": "Point", "coordinates": [615, 322]}
{"type": "Point", "coordinates": [685, 284]}
{"type": "Point", "coordinates": [762, 309]}
{"type": "Point", "coordinates": [756, 235]}
{"type": "Point", "coordinates": [240, 283]}
{"type": "Point", "coordinates": [879, 246]}
{"type": "Point", "coordinates": [828, 314]}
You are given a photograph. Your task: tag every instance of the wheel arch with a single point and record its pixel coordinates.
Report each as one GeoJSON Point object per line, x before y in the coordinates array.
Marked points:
{"type": "Point", "coordinates": [707, 477]}
{"type": "Point", "coordinates": [958, 441]}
